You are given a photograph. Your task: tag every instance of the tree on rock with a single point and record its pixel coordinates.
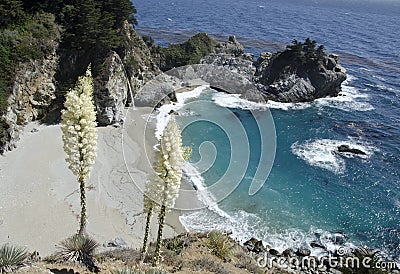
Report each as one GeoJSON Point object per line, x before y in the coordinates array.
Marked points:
{"type": "Point", "coordinates": [80, 135]}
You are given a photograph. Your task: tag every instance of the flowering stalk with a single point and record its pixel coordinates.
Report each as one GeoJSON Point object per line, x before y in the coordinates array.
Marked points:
{"type": "Point", "coordinates": [163, 188]}
{"type": "Point", "coordinates": [80, 135]}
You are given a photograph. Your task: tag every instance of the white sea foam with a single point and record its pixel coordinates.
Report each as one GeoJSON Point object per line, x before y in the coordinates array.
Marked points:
{"type": "Point", "coordinates": [243, 225]}
{"type": "Point", "coordinates": [164, 110]}
{"type": "Point", "coordinates": [349, 99]}
{"type": "Point", "coordinates": [323, 153]}
{"type": "Point", "coordinates": [234, 101]}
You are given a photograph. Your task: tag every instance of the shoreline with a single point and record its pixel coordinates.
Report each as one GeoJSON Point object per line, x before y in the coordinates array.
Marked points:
{"type": "Point", "coordinates": [39, 204]}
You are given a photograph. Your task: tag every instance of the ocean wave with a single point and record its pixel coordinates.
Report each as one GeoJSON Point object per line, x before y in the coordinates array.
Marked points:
{"type": "Point", "coordinates": [234, 101]}
{"type": "Point", "coordinates": [243, 225]}
{"type": "Point", "coordinates": [349, 99]}
{"type": "Point", "coordinates": [323, 153]}
{"type": "Point", "coordinates": [163, 111]}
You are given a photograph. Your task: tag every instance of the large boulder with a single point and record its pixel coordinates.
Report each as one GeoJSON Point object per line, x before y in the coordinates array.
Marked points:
{"type": "Point", "coordinates": [238, 65]}
{"type": "Point", "coordinates": [160, 90]}
{"type": "Point", "coordinates": [292, 77]}
{"type": "Point", "coordinates": [111, 90]}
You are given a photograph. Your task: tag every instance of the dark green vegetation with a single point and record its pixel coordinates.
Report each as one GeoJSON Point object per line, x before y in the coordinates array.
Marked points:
{"type": "Point", "coordinates": [189, 52]}
{"type": "Point", "coordinates": [28, 29]}
{"type": "Point", "coordinates": [23, 36]}
{"type": "Point", "coordinates": [296, 58]}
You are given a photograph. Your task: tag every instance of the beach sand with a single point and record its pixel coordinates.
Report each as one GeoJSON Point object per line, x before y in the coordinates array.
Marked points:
{"type": "Point", "coordinates": [39, 198]}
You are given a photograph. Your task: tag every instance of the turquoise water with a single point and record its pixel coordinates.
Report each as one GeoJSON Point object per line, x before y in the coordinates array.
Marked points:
{"type": "Point", "coordinates": [311, 193]}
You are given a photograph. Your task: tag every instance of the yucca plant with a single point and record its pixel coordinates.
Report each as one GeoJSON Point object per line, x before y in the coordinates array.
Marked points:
{"type": "Point", "coordinates": [11, 257]}
{"type": "Point", "coordinates": [80, 135]}
{"type": "Point", "coordinates": [163, 187]}
{"type": "Point", "coordinates": [78, 248]}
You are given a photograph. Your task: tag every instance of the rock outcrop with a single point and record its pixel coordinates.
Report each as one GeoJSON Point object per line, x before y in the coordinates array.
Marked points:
{"type": "Point", "coordinates": [159, 91]}
{"type": "Point", "coordinates": [33, 90]}
{"type": "Point", "coordinates": [111, 89]}
{"type": "Point", "coordinates": [231, 47]}
{"type": "Point", "coordinates": [288, 78]}
{"type": "Point", "coordinates": [137, 58]}
{"type": "Point", "coordinates": [238, 65]}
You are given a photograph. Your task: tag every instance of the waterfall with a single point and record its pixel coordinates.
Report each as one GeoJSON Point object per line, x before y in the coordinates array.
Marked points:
{"type": "Point", "coordinates": [129, 86]}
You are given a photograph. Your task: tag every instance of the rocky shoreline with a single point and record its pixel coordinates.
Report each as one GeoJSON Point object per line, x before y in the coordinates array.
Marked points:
{"type": "Point", "coordinates": [301, 73]}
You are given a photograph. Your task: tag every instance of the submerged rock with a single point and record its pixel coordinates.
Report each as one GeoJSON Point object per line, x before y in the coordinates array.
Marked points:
{"type": "Point", "coordinates": [346, 148]}
{"type": "Point", "coordinates": [303, 252]}
{"type": "Point", "coordinates": [317, 245]}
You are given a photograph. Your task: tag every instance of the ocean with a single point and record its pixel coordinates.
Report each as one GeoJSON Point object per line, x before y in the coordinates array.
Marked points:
{"type": "Point", "coordinates": [311, 193]}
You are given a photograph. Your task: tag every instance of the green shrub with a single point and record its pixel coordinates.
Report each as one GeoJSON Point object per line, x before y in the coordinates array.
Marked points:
{"type": "Point", "coordinates": [189, 52]}
{"type": "Point", "coordinates": [29, 40]}
{"type": "Point", "coordinates": [11, 257]}
{"type": "Point", "coordinates": [220, 245]}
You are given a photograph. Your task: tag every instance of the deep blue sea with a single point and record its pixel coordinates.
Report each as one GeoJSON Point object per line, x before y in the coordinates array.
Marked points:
{"type": "Point", "coordinates": [312, 193]}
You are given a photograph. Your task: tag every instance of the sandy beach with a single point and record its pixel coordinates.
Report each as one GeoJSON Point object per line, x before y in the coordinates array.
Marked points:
{"type": "Point", "coordinates": [39, 200]}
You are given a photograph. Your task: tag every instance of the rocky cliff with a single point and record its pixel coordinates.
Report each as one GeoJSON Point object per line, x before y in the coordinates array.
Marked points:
{"type": "Point", "coordinates": [38, 95]}
{"type": "Point", "coordinates": [33, 89]}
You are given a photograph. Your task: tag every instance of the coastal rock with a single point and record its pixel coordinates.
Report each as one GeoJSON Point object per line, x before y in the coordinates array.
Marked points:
{"type": "Point", "coordinates": [232, 47]}
{"type": "Point", "coordinates": [317, 245]}
{"type": "Point", "coordinates": [290, 89]}
{"type": "Point", "coordinates": [254, 245]}
{"type": "Point", "coordinates": [111, 89]}
{"type": "Point", "coordinates": [347, 149]}
{"type": "Point", "coordinates": [288, 252]}
{"type": "Point", "coordinates": [303, 252]}
{"type": "Point", "coordinates": [292, 77]}
{"type": "Point", "coordinates": [219, 78]}
{"type": "Point", "coordinates": [33, 90]}
{"type": "Point", "coordinates": [235, 64]}
{"type": "Point", "coordinates": [137, 58]}
{"type": "Point", "coordinates": [262, 63]}
{"type": "Point", "coordinates": [159, 91]}
{"type": "Point", "coordinates": [274, 252]}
